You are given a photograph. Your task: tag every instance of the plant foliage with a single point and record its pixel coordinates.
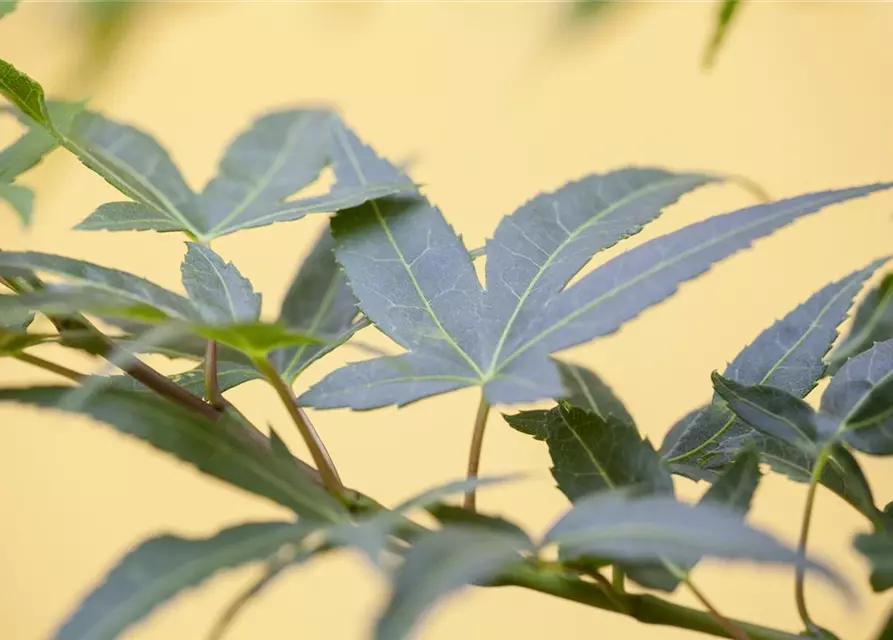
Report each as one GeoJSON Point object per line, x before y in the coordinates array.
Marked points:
{"type": "Point", "coordinates": [390, 259]}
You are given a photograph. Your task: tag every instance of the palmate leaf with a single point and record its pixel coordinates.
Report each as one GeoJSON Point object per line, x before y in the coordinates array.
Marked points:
{"type": "Point", "coordinates": [619, 528]}
{"type": "Point", "coordinates": [438, 564]}
{"type": "Point", "coordinates": [789, 356]}
{"type": "Point", "coordinates": [162, 567]}
{"type": "Point", "coordinates": [214, 447]}
{"type": "Point", "coordinates": [873, 323]}
{"type": "Point", "coordinates": [878, 548]}
{"type": "Point", "coordinates": [278, 155]}
{"type": "Point", "coordinates": [413, 278]}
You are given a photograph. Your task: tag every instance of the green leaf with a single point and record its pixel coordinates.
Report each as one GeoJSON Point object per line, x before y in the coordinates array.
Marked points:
{"type": "Point", "coordinates": [332, 311]}
{"type": "Point", "coordinates": [734, 489]}
{"type": "Point", "coordinates": [727, 12]}
{"type": "Point", "coordinates": [772, 411]}
{"type": "Point", "coordinates": [7, 7]}
{"type": "Point", "coordinates": [278, 155]}
{"type": "Point", "coordinates": [878, 548]}
{"type": "Point", "coordinates": [216, 448]}
{"type": "Point", "coordinates": [161, 568]}
{"type": "Point", "coordinates": [221, 294]}
{"type": "Point", "coordinates": [537, 249]}
{"type": "Point", "coordinates": [24, 93]}
{"type": "Point", "coordinates": [20, 198]}
{"type": "Point", "coordinates": [414, 279]}
{"type": "Point", "coordinates": [440, 563]}
{"type": "Point", "coordinates": [658, 527]}
{"type": "Point", "coordinates": [860, 398]}
{"type": "Point", "coordinates": [591, 454]}
{"type": "Point", "coordinates": [873, 323]}
{"type": "Point", "coordinates": [789, 356]}
{"type": "Point", "coordinates": [25, 153]}
{"type": "Point", "coordinates": [585, 390]}
{"type": "Point", "coordinates": [117, 284]}
{"type": "Point", "coordinates": [841, 473]}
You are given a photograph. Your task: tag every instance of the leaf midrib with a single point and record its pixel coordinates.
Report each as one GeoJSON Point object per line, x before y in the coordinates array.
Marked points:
{"type": "Point", "coordinates": [658, 267]}
{"type": "Point", "coordinates": [845, 425]}
{"type": "Point", "coordinates": [564, 243]}
{"type": "Point", "coordinates": [167, 207]}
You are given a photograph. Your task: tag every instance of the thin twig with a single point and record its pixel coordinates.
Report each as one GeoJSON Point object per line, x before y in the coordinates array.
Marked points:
{"type": "Point", "coordinates": [474, 455]}
{"type": "Point", "coordinates": [58, 369]}
{"type": "Point", "coordinates": [212, 385]}
{"type": "Point", "coordinates": [274, 568]}
{"type": "Point", "coordinates": [321, 457]}
{"type": "Point", "coordinates": [727, 624]}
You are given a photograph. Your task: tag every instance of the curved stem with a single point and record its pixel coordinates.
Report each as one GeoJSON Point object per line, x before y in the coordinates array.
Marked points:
{"type": "Point", "coordinates": [645, 608]}
{"type": "Point", "coordinates": [800, 580]}
{"type": "Point", "coordinates": [243, 598]}
{"type": "Point", "coordinates": [685, 578]}
{"type": "Point", "coordinates": [477, 444]}
{"type": "Point", "coordinates": [212, 386]}
{"type": "Point", "coordinates": [52, 367]}
{"type": "Point", "coordinates": [327, 471]}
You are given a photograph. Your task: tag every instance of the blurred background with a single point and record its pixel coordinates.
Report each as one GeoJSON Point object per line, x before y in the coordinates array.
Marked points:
{"type": "Point", "coordinates": [493, 102]}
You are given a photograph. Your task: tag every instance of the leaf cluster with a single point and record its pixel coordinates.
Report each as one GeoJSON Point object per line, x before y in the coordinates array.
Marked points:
{"type": "Point", "coordinates": [389, 259]}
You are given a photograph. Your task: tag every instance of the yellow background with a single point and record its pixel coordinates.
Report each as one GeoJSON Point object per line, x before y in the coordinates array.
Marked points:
{"type": "Point", "coordinates": [495, 102]}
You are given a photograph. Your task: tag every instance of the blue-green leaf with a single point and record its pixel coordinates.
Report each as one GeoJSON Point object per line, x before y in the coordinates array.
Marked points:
{"type": "Point", "coordinates": [772, 411]}
{"type": "Point", "coordinates": [214, 447]}
{"type": "Point", "coordinates": [415, 280]}
{"type": "Point", "coordinates": [789, 356]}
{"type": "Point", "coordinates": [163, 567]}
{"type": "Point", "coordinates": [615, 527]}
{"type": "Point", "coordinates": [860, 398]}
{"type": "Point", "coordinates": [873, 322]}
{"type": "Point", "coordinates": [221, 294]}
{"type": "Point", "coordinates": [278, 155]}
{"type": "Point", "coordinates": [103, 280]}
{"type": "Point", "coordinates": [333, 309]}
